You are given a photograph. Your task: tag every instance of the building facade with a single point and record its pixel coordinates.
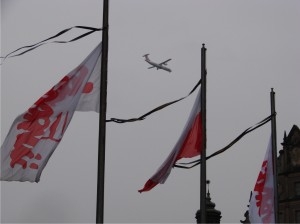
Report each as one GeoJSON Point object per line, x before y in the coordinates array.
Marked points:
{"type": "Point", "coordinates": [288, 170]}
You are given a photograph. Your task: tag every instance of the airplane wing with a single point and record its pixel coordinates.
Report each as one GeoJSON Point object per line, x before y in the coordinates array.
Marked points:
{"type": "Point", "coordinates": [165, 62]}
{"type": "Point", "coordinates": [151, 67]}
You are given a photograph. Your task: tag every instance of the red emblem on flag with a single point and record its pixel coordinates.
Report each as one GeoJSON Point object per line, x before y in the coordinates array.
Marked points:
{"type": "Point", "coordinates": [41, 122]}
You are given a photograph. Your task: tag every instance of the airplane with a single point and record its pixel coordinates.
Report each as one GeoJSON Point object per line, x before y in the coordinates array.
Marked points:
{"type": "Point", "coordinates": [157, 65]}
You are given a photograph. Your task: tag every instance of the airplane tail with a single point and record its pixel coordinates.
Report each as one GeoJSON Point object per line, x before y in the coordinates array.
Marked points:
{"type": "Point", "coordinates": [146, 57]}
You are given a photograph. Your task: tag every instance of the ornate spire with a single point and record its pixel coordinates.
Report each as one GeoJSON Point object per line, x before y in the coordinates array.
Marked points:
{"type": "Point", "coordinates": [212, 215]}
{"type": "Point", "coordinates": [284, 143]}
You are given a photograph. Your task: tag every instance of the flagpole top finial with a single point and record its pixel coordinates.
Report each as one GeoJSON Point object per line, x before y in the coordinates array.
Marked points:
{"type": "Point", "coordinates": [272, 90]}
{"type": "Point", "coordinates": [208, 182]}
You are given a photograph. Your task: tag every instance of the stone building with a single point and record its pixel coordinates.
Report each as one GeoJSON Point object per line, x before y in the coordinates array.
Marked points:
{"type": "Point", "coordinates": [288, 171]}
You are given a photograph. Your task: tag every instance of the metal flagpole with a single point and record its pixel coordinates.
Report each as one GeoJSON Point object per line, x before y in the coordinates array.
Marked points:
{"type": "Point", "coordinates": [102, 118]}
{"type": "Point", "coordinates": [274, 152]}
{"type": "Point", "coordinates": [203, 146]}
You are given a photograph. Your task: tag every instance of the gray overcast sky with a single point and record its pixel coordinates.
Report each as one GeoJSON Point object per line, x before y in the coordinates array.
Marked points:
{"type": "Point", "coordinates": [252, 46]}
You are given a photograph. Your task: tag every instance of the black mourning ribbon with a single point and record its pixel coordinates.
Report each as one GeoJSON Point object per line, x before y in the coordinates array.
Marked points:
{"type": "Point", "coordinates": [118, 120]}
{"type": "Point", "coordinates": [25, 49]}
{"type": "Point", "coordinates": [248, 130]}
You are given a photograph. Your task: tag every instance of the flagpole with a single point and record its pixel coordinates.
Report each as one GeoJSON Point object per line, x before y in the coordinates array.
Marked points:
{"type": "Point", "coordinates": [203, 146]}
{"type": "Point", "coordinates": [102, 118]}
{"type": "Point", "coordinates": [274, 153]}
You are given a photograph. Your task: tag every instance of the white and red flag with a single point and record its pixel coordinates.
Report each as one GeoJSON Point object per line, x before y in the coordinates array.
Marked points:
{"type": "Point", "coordinates": [187, 146]}
{"type": "Point", "coordinates": [261, 208]}
{"type": "Point", "coordinates": [35, 134]}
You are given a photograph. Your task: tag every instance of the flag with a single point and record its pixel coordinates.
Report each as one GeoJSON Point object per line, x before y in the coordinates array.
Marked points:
{"type": "Point", "coordinates": [35, 134]}
{"type": "Point", "coordinates": [187, 146]}
{"type": "Point", "coordinates": [261, 208]}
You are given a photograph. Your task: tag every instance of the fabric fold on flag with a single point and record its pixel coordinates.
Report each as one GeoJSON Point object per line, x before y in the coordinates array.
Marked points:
{"type": "Point", "coordinates": [261, 208]}
{"type": "Point", "coordinates": [35, 134]}
{"type": "Point", "coordinates": [187, 146]}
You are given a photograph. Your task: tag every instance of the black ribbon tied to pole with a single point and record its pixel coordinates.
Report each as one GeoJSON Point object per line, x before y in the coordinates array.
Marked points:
{"type": "Point", "coordinates": [142, 117]}
{"type": "Point", "coordinates": [25, 49]}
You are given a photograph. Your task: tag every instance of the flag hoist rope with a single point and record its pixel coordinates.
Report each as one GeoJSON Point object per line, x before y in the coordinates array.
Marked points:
{"type": "Point", "coordinates": [248, 130]}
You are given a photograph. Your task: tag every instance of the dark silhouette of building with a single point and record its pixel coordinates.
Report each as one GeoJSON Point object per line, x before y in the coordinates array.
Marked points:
{"type": "Point", "coordinates": [212, 215]}
{"type": "Point", "coordinates": [288, 178]}
{"type": "Point", "coordinates": [288, 168]}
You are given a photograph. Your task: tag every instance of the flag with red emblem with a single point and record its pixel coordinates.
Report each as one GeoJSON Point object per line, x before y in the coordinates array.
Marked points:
{"type": "Point", "coordinates": [261, 208]}
{"type": "Point", "coordinates": [187, 146]}
{"type": "Point", "coordinates": [35, 134]}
